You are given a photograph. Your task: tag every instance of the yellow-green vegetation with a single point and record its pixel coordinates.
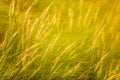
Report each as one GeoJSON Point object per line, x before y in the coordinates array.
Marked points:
{"type": "Point", "coordinates": [59, 40]}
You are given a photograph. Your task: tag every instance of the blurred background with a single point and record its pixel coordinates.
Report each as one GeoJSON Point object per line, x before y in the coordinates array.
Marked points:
{"type": "Point", "coordinates": [62, 7]}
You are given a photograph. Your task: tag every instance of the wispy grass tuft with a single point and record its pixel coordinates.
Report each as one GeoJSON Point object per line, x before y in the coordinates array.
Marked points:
{"type": "Point", "coordinates": [66, 40]}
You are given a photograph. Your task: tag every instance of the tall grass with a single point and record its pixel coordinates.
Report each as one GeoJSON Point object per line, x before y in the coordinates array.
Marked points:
{"type": "Point", "coordinates": [60, 40]}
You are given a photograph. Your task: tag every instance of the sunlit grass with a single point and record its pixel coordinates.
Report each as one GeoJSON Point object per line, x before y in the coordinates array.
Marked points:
{"type": "Point", "coordinates": [57, 39]}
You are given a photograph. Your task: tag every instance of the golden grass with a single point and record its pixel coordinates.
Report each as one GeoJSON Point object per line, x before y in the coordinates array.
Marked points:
{"type": "Point", "coordinates": [73, 40]}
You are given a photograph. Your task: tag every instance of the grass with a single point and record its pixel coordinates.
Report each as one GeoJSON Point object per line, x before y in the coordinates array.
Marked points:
{"type": "Point", "coordinates": [59, 40]}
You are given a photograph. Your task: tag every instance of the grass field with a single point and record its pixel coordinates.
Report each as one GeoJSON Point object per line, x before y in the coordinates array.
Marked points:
{"type": "Point", "coordinates": [59, 40]}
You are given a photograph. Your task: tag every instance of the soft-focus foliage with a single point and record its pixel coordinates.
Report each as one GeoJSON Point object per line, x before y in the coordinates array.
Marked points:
{"type": "Point", "coordinates": [59, 40]}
